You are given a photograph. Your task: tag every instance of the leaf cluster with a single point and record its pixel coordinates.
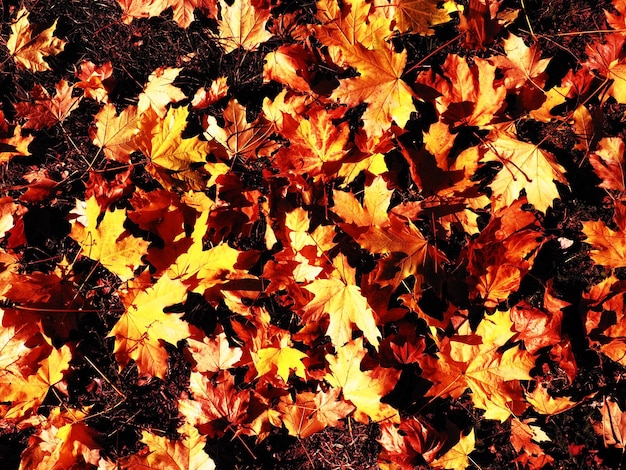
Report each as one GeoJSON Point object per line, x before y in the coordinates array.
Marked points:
{"type": "Point", "coordinates": [361, 242]}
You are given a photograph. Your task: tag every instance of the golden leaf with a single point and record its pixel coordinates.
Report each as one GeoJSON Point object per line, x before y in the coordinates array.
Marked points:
{"type": "Point", "coordinates": [141, 328]}
{"type": "Point", "coordinates": [29, 51]}
{"type": "Point", "coordinates": [242, 25]}
{"type": "Point", "coordinates": [115, 134]}
{"type": "Point", "coordinates": [107, 242]}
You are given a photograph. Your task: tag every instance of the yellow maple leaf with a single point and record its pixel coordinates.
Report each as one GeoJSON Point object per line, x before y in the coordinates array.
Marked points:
{"type": "Point", "coordinates": [474, 360]}
{"type": "Point", "coordinates": [419, 16]}
{"type": "Point", "coordinates": [115, 134]}
{"type": "Point", "coordinates": [283, 359]}
{"type": "Point", "coordinates": [28, 50]}
{"type": "Point", "coordinates": [160, 139]}
{"type": "Point", "coordinates": [23, 394]}
{"type": "Point", "coordinates": [457, 458]}
{"type": "Point", "coordinates": [159, 91]}
{"type": "Point", "coordinates": [546, 404]}
{"type": "Point", "coordinates": [341, 299]}
{"type": "Point", "coordinates": [183, 10]}
{"type": "Point", "coordinates": [525, 167]}
{"type": "Point", "coordinates": [107, 242]}
{"type": "Point", "coordinates": [12, 143]}
{"type": "Point", "coordinates": [186, 453]}
{"type": "Point", "coordinates": [380, 85]}
{"type": "Point", "coordinates": [242, 25]}
{"type": "Point", "coordinates": [140, 329]}
{"type": "Point", "coordinates": [363, 389]}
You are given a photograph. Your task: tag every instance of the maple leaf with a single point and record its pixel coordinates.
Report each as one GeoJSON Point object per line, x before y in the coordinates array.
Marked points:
{"type": "Point", "coordinates": [242, 25]}
{"type": "Point", "coordinates": [206, 97]}
{"type": "Point", "coordinates": [607, 58]}
{"type": "Point", "coordinates": [363, 389]}
{"type": "Point", "coordinates": [380, 85]}
{"type": "Point", "coordinates": [216, 404]}
{"type": "Point", "coordinates": [47, 111]}
{"type": "Point", "coordinates": [316, 143]}
{"type": "Point", "coordinates": [28, 50]}
{"type": "Point", "coordinates": [283, 359]}
{"type": "Point", "coordinates": [107, 241]}
{"type": "Point", "coordinates": [93, 80]}
{"type": "Point", "coordinates": [503, 252]}
{"type": "Point", "coordinates": [313, 412]}
{"type": "Point", "coordinates": [238, 136]}
{"type": "Point", "coordinates": [24, 390]}
{"type": "Point", "coordinates": [404, 444]}
{"type": "Point", "coordinates": [457, 458]}
{"type": "Point", "coordinates": [289, 65]}
{"type": "Point", "coordinates": [613, 425]}
{"type": "Point", "coordinates": [525, 167]}
{"type": "Point", "coordinates": [608, 246]}
{"type": "Point", "coordinates": [61, 440]}
{"type": "Point", "coordinates": [160, 139]}
{"type": "Point", "coordinates": [469, 96]}
{"type": "Point", "coordinates": [409, 253]}
{"type": "Point", "coordinates": [546, 404]}
{"type": "Point", "coordinates": [213, 354]}
{"type": "Point", "coordinates": [183, 10]}
{"type": "Point", "coordinates": [345, 25]}
{"type": "Point", "coordinates": [12, 143]}
{"type": "Point", "coordinates": [617, 21]}
{"type": "Point", "coordinates": [473, 360]}
{"type": "Point", "coordinates": [524, 438]}
{"type": "Point", "coordinates": [141, 328]}
{"type": "Point", "coordinates": [114, 133]}
{"type": "Point", "coordinates": [341, 299]}
{"type": "Point", "coordinates": [159, 91]}
{"type": "Point", "coordinates": [419, 16]}
{"type": "Point", "coordinates": [608, 163]}
{"type": "Point", "coordinates": [204, 269]}
{"type": "Point", "coordinates": [186, 453]}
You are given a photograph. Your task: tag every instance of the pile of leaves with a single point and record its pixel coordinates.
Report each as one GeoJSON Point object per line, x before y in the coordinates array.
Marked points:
{"type": "Point", "coordinates": [227, 225]}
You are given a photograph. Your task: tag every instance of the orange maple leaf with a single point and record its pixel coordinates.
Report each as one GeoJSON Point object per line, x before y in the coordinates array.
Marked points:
{"type": "Point", "coordinates": [12, 143]}
{"type": "Point", "coordinates": [47, 111]}
{"type": "Point", "coordinates": [217, 404]}
{"type": "Point", "coordinates": [474, 360]}
{"type": "Point", "coordinates": [61, 440]}
{"type": "Point", "coordinates": [213, 353]}
{"type": "Point", "coordinates": [468, 96]}
{"type": "Point", "coordinates": [608, 246]}
{"type": "Point", "coordinates": [608, 163]}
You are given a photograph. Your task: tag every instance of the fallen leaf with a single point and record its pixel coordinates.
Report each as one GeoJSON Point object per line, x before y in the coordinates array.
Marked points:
{"type": "Point", "coordinates": [29, 51]}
